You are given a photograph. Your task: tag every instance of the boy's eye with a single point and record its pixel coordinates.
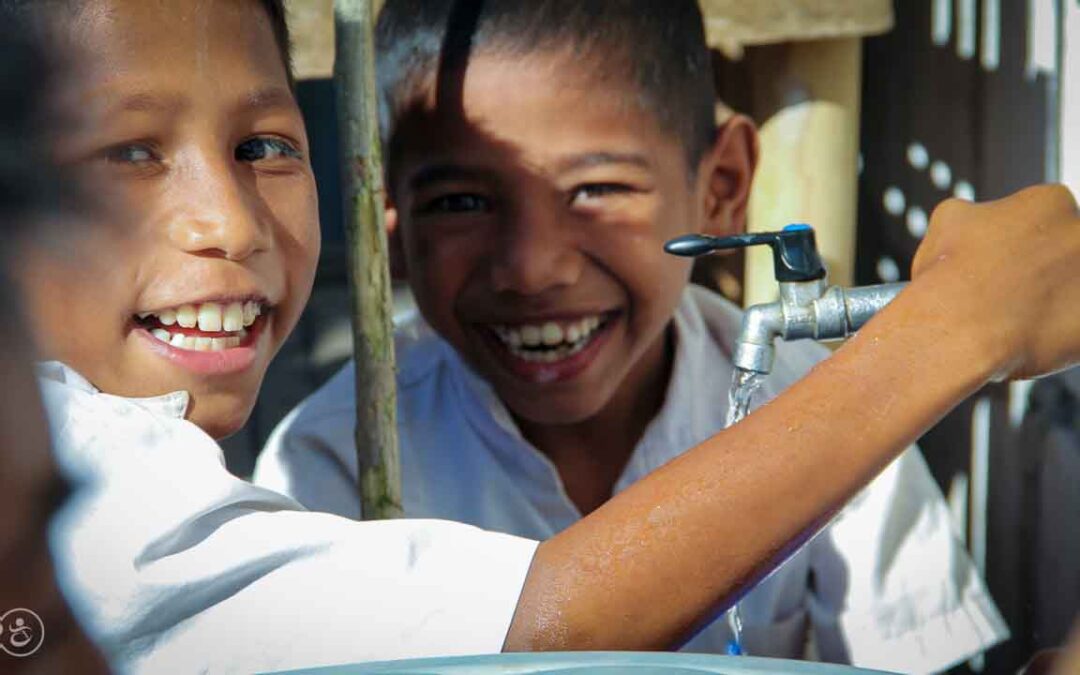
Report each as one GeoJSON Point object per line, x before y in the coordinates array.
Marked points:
{"type": "Point", "coordinates": [457, 203]}
{"type": "Point", "coordinates": [266, 148]}
{"type": "Point", "coordinates": [131, 153]}
{"type": "Point", "coordinates": [591, 192]}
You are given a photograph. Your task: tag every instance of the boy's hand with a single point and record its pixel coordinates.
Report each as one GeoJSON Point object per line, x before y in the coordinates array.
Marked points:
{"type": "Point", "coordinates": [1008, 271]}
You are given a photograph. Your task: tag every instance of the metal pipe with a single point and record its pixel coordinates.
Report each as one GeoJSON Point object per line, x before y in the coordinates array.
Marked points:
{"type": "Point", "coordinates": [807, 310]}
{"type": "Point", "coordinates": [761, 324]}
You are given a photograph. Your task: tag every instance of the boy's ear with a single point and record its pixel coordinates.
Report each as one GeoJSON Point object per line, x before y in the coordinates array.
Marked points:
{"type": "Point", "coordinates": [725, 174]}
{"type": "Point", "coordinates": [398, 270]}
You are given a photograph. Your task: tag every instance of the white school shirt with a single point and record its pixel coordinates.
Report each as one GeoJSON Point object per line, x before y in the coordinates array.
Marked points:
{"type": "Point", "coordinates": [886, 585]}
{"type": "Point", "coordinates": [175, 566]}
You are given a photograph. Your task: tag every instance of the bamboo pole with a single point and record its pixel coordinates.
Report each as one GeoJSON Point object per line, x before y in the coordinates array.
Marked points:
{"type": "Point", "coordinates": [369, 277]}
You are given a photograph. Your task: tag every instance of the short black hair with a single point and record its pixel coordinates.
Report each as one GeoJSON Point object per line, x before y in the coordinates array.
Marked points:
{"type": "Point", "coordinates": [29, 11]}
{"type": "Point", "coordinates": [657, 46]}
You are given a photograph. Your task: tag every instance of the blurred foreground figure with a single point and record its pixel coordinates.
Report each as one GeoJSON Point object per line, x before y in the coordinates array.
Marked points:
{"type": "Point", "coordinates": [37, 631]}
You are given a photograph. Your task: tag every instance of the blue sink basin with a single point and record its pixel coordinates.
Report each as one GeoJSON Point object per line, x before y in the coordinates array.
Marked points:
{"type": "Point", "coordinates": [591, 663]}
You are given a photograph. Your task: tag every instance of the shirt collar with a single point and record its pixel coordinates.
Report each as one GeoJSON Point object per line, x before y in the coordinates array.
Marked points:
{"type": "Point", "coordinates": [695, 401]}
{"type": "Point", "coordinates": [174, 404]}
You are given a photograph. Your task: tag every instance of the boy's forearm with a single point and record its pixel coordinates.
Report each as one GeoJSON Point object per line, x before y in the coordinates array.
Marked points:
{"type": "Point", "coordinates": [665, 555]}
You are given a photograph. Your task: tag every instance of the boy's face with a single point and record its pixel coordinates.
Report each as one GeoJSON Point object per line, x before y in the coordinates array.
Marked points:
{"type": "Point", "coordinates": [531, 214]}
{"type": "Point", "coordinates": [208, 256]}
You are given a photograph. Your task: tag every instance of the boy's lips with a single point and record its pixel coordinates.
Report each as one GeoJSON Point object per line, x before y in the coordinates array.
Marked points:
{"type": "Point", "coordinates": [552, 350]}
{"type": "Point", "coordinates": [209, 338]}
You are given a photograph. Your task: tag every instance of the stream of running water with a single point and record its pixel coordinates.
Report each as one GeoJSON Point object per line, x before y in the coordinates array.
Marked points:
{"type": "Point", "coordinates": [744, 383]}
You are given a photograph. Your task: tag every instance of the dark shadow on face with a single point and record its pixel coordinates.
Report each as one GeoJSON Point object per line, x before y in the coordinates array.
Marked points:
{"type": "Point", "coordinates": [461, 29]}
{"type": "Point", "coordinates": [31, 488]}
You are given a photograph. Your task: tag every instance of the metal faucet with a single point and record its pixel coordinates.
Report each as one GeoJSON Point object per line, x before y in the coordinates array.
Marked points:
{"type": "Point", "coordinates": [808, 308]}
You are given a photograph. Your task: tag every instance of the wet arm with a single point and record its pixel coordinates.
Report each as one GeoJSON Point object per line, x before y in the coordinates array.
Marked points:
{"type": "Point", "coordinates": [665, 555]}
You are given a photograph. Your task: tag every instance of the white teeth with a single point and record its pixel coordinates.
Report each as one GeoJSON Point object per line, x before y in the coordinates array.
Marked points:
{"type": "Point", "coordinates": [551, 333]}
{"type": "Point", "coordinates": [186, 316]}
{"type": "Point", "coordinates": [251, 311]}
{"type": "Point", "coordinates": [209, 317]}
{"type": "Point", "coordinates": [199, 343]}
{"type": "Point", "coordinates": [558, 341]}
{"type": "Point", "coordinates": [232, 319]}
{"type": "Point", "coordinates": [530, 336]}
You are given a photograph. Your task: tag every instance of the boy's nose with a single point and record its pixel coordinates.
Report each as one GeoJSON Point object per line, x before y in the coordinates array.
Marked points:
{"type": "Point", "coordinates": [534, 253]}
{"type": "Point", "coordinates": [221, 218]}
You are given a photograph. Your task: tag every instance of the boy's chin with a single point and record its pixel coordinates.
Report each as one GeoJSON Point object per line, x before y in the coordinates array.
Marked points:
{"type": "Point", "coordinates": [553, 410]}
{"type": "Point", "coordinates": [220, 415]}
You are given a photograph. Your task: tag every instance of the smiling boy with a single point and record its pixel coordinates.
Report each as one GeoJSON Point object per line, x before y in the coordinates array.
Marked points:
{"type": "Point", "coordinates": [199, 295]}
{"type": "Point", "coordinates": [560, 356]}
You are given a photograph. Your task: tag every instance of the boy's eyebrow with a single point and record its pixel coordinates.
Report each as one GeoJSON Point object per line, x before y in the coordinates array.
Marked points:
{"type": "Point", "coordinates": [591, 159]}
{"type": "Point", "coordinates": [144, 102]}
{"type": "Point", "coordinates": [448, 171]}
{"type": "Point", "coordinates": [258, 99]}
{"type": "Point", "coordinates": [268, 97]}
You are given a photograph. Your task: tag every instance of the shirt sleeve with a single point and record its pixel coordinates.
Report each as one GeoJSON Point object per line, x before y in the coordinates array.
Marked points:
{"type": "Point", "coordinates": [177, 566]}
{"type": "Point", "coordinates": [893, 586]}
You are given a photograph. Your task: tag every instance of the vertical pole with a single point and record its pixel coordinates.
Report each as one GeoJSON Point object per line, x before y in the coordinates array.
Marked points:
{"type": "Point", "coordinates": [369, 275]}
{"type": "Point", "coordinates": [806, 102]}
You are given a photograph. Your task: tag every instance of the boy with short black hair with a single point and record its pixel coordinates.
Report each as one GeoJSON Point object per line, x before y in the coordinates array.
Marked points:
{"type": "Point", "coordinates": [540, 154]}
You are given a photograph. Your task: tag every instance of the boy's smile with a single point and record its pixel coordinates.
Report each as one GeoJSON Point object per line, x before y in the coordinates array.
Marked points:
{"type": "Point", "coordinates": [206, 337]}
{"type": "Point", "coordinates": [208, 251]}
{"type": "Point", "coordinates": [531, 217]}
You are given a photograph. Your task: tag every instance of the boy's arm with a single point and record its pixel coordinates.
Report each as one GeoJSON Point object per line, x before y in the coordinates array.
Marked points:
{"type": "Point", "coordinates": [994, 292]}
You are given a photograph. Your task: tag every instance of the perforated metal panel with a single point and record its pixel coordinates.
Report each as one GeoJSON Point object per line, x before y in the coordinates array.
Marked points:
{"type": "Point", "coordinates": [960, 99]}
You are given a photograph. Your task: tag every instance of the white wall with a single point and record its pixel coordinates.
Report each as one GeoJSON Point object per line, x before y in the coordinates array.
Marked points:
{"type": "Point", "coordinates": [1070, 98]}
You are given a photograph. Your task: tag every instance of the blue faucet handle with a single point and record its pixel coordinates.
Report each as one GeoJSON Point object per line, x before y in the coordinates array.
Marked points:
{"type": "Point", "coordinates": [795, 254]}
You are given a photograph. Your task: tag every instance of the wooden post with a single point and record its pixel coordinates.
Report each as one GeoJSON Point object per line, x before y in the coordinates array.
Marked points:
{"type": "Point", "coordinates": [369, 278]}
{"type": "Point", "coordinates": [806, 103]}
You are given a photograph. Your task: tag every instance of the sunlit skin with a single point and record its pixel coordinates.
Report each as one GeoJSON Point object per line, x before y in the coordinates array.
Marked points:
{"type": "Point", "coordinates": [200, 147]}
{"type": "Point", "coordinates": [553, 204]}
